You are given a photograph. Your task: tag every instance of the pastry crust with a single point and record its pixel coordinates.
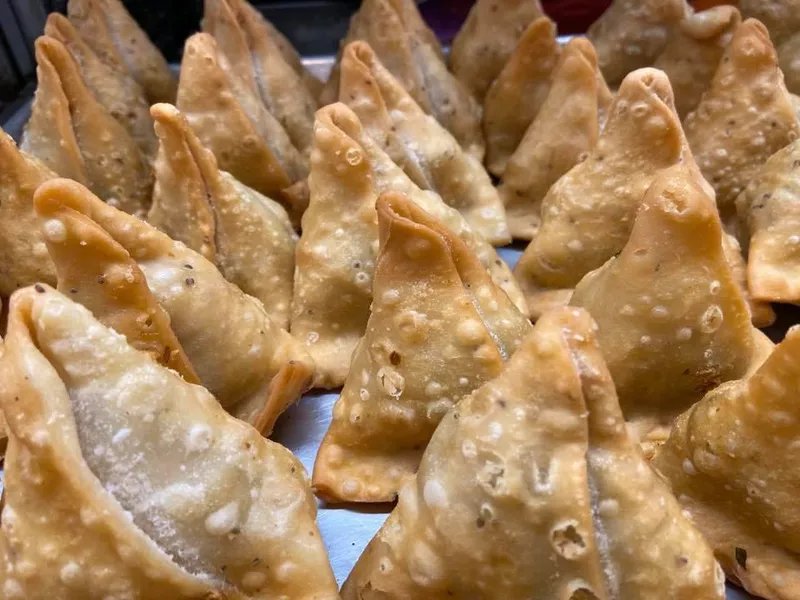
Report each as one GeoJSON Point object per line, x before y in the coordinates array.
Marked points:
{"type": "Point", "coordinates": [438, 328]}
{"type": "Point", "coordinates": [781, 17]}
{"type": "Point", "coordinates": [123, 480]}
{"type": "Point", "coordinates": [789, 60]}
{"type": "Point", "coordinates": [415, 141]}
{"type": "Point", "coordinates": [523, 494]}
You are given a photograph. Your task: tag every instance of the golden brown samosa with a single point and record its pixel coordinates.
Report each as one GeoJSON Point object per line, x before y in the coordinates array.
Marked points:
{"type": "Point", "coordinates": [588, 214]}
{"type": "Point", "coordinates": [769, 207]}
{"type": "Point", "coordinates": [23, 256]}
{"type": "Point", "coordinates": [789, 60]}
{"type": "Point", "coordinates": [415, 141]}
{"type": "Point", "coordinates": [487, 38]}
{"type": "Point", "coordinates": [248, 236]}
{"type": "Point", "coordinates": [631, 34]}
{"type": "Point", "coordinates": [74, 135]}
{"type": "Point", "coordinates": [693, 51]}
{"type": "Point", "coordinates": [744, 117]}
{"type": "Point", "coordinates": [253, 368]}
{"type": "Point", "coordinates": [517, 94]}
{"type": "Point", "coordinates": [438, 329]}
{"type": "Point", "coordinates": [231, 121]}
{"type": "Point", "coordinates": [244, 38]}
{"type": "Point", "coordinates": [761, 312]}
{"type": "Point", "coordinates": [336, 252]}
{"type": "Point", "coordinates": [673, 321]}
{"type": "Point", "coordinates": [114, 88]}
{"type": "Point", "coordinates": [563, 133]}
{"type": "Point", "coordinates": [732, 461]}
{"type": "Point", "coordinates": [532, 488]}
{"type": "Point", "coordinates": [124, 481]}
{"type": "Point", "coordinates": [781, 17]}
{"type": "Point", "coordinates": [118, 40]}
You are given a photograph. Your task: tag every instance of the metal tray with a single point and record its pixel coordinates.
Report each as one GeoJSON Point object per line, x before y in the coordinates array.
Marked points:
{"type": "Point", "coordinates": [345, 528]}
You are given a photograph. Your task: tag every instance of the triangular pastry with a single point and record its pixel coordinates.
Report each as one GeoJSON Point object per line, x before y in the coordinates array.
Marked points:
{"type": "Point", "coordinates": [231, 121]}
{"type": "Point", "coordinates": [761, 312]}
{"type": "Point", "coordinates": [532, 488]}
{"type": "Point", "coordinates": [75, 136]}
{"type": "Point", "coordinates": [414, 140]}
{"type": "Point", "coordinates": [732, 461]}
{"type": "Point", "coordinates": [248, 236]}
{"type": "Point", "coordinates": [769, 207]}
{"type": "Point", "coordinates": [243, 37]}
{"type": "Point", "coordinates": [254, 368]}
{"type": "Point", "coordinates": [673, 321]}
{"type": "Point", "coordinates": [587, 215]}
{"type": "Point", "coordinates": [518, 92]}
{"type": "Point", "coordinates": [631, 34]}
{"type": "Point", "coordinates": [781, 17]}
{"type": "Point", "coordinates": [744, 117]}
{"type": "Point", "coordinates": [693, 52]}
{"type": "Point", "coordinates": [409, 50]}
{"type": "Point", "coordinates": [336, 252]}
{"type": "Point", "coordinates": [124, 481]}
{"type": "Point", "coordinates": [23, 256]}
{"type": "Point", "coordinates": [563, 133]}
{"type": "Point", "coordinates": [486, 40]}
{"type": "Point", "coordinates": [118, 40]}
{"type": "Point", "coordinates": [115, 89]}
{"type": "Point", "coordinates": [438, 329]}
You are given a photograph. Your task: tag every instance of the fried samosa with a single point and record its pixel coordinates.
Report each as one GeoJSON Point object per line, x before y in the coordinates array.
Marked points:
{"type": "Point", "coordinates": [561, 136]}
{"type": "Point", "coordinates": [518, 93]}
{"type": "Point", "coordinates": [416, 141]}
{"type": "Point", "coordinates": [789, 60]}
{"type": "Point", "coordinates": [253, 368]}
{"type": "Point", "coordinates": [770, 209]}
{"type": "Point", "coordinates": [438, 329]}
{"type": "Point", "coordinates": [631, 34]}
{"type": "Point", "coordinates": [114, 88]}
{"type": "Point", "coordinates": [245, 40]}
{"type": "Point", "coordinates": [486, 40]}
{"type": "Point", "coordinates": [336, 253]}
{"type": "Point", "coordinates": [782, 17]}
{"type": "Point", "coordinates": [118, 40]}
{"type": "Point", "coordinates": [673, 321]}
{"type": "Point", "coordinates": [732, 461]}
{"type": "Point", "coordinates": [229, 118]}
{"type": "Point", "coordinates": [588, 214]}
{"type": "Point", "coordinates": [248, 236]}
{"type": "Point", "coordinates": [693, 52]}
{"type": "Point", "coordinates": [23, 256]}
{"type": "Point", "coordinates": [409, 50]}
{"type": "Point", "coordinates": [124, 481]}
{"type": "Point", "coordinates": [532, 488]}
{"type": "Point", "coordinates": [744, 117]}
{"type": "Point", "coordinates": [74, 135]}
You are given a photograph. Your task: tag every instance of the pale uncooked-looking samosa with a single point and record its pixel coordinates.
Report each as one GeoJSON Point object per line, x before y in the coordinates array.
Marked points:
{"type": "Point", "coordinates": [532, 488]}
{"type": "Point", "coordinates": [438, 329]}
{"type": "Point", "coordinates": [732, 461]}
{"type": "Point", "coordinates": [253, 367]}
{"type": "Point", "coordinates": [673, 321]}
{"type": "Point", "coordinates": [744, 118]}
{"type": "Point", "coordinates": [409, 49]}
{"type": "Point", "coordinates": [74, 135]}
{"type": "Point", "coordinates": [693, 51]}
{"type": "Point", "coordinates": [631, 34]}
{"type": "Point", "coordinates": [118, 40]}
{"type": "Point", "coordinates": [229, 118]}
{"type": "Point", "coordinates": [336, 252]}
{"type": "Point", "coordinates": [245, 40]}
{"type": "Point", "coordinates": [416, 141]}
{"type": "Point", "coordinates": [769, 207]}
{"type": "Point", "coordinates": [114, 88]}
{"type": "Point", "coordinates": [23, 256]}
{"type": "Point", "coordinates": [563, 133]}
{"type": "Point", "coordinates": [588, 214]}
{"type": "Point", "coordinates": [487, 38]}
{"type": "Point", "coordinates": [782, 17]}
{"type": "Point", "coordinates": [518, 93]}
{"type": "Point", "coordinates": [124, 481]}
{"type": "Point", "coordinates": [248, 236]}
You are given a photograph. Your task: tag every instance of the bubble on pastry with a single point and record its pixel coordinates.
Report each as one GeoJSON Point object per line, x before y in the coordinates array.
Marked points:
{"type": "Point", "coordinates": [54, 230]}
{"type": "Point", "coordinates": [350, 487]}
{"type": "Point", "coordinates": [254, 580]}
{"type": "Point", "coordinates": [711, 320]}
{"type": "Point", "coordinates": [567, 540]}
{"type": "Point", "coordinates": [684, 334]}
{"type": "Point", "coordinates": [198, 438]}
{"type": "Point", "coordinates": [224, 520]}
{"type": "Point", "coordinates": [434, 494]}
